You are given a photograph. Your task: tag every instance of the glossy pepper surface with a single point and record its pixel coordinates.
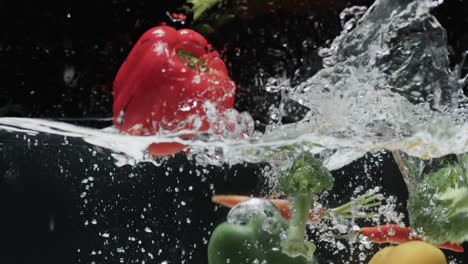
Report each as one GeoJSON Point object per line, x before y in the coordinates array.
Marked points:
{"type": "Point", "coordinates": [165, 83]}
{"type": "Point", "coordinates": [254, 237]}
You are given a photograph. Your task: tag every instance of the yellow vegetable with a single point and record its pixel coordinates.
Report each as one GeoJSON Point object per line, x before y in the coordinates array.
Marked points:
{"type": "Point", "coordinates": [414, 252]}
{"type": "Point", "coordinates": [381, 256]}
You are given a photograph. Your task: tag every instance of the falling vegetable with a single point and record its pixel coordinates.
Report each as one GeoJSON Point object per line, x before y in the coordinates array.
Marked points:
{"type": "Point", "coordinates": [247, 238]}
{"type": "Point", "coordinates": [251, 235]}
{"type": "Point", "coordinates": [317, 213]}
{"type": "Point", "coordinates": [439, 204]}
{"type": "Point", "coordinates": [165, 84]}
{"type": "Point", "coordinates": [398, 235]}
{"type": "Point", "coordinates": [306, 178]}
{"type": "Point", "coordinates": [414, 252]}
{"type": "Point", "coordinates": [390, 233]}
{"type": "Point", "coordinates": [283, 206]}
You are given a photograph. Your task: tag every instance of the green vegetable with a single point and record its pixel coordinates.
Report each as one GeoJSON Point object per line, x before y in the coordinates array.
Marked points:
{"type": "Point", "coordinates": [302, 181]}
{"type": "Point", "coordinates": [439, 204]}
{"type": "Point", "coordinates": [253, 235]}
{"type": "Point", "coordinates": [353, 209]}
{"type": "Point", "coordinates": [200, 6]}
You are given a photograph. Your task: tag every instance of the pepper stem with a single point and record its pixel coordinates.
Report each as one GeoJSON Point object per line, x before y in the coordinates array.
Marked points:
{"type": "Point", "coordinates": [192, 61]}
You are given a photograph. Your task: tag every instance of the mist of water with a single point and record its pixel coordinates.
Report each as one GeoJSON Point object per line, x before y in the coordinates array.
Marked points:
{"type": "Point", "coordinates": [386, 84]}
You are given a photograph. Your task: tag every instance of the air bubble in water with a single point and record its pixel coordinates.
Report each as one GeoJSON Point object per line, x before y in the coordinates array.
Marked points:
{"type": "Point", "coordinates": [242, 212]}
{"type": "Point", "coordinates": [362, 256]}
{"type": "Point", "coordinates": [366, 242]}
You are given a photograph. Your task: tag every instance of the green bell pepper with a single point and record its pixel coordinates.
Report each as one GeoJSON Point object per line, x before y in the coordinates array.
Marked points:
{"type": "Point", "coordinates": [251, 235]}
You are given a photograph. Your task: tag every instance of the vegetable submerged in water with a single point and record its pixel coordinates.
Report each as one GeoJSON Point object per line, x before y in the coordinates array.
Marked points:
{"type": "Point", "coordinates": [248, 239]}
{"type": "Point", "coordinates": [252, 235]}
{"type": "Point", "coordinates": [398, 235]}
{"type": "Point", "coordinates": [164, 83]}
{"type": "Point", "coordinates": [306, 178]}
{"type": "Point", "coordinates": [317, 213]}
{"type": "Point", "coordinates": [414, 252]}
{"type": "Point", "coordinates": [439, 204]}
{"type": "Point", "coordinates": [390, 233]}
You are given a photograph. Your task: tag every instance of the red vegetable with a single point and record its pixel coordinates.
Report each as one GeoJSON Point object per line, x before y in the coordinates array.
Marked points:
{"type": "Point", "coordinates": [166, 79]}
{"type": "Point", "coordinates": [384, 234]}
{"type": "Point", "coordinates": [315, 215]}
{"type": "Point", "coordinates": [397, 235]}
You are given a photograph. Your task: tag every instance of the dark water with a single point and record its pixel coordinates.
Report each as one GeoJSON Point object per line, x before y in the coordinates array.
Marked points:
{"type": "Point", "coordinates": [60, 61]}
{"type": "Point", "coordinates": [71, 204]}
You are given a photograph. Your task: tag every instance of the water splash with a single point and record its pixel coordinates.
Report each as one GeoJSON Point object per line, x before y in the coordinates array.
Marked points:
{"type": "Point", "coordinates": [386, 83]}
{"type": "Point", "coordinates": [386, 79]}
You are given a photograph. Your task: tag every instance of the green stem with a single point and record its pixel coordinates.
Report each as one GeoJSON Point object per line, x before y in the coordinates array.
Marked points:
{"type": "Point", "coordinates": [371, 205]}
{"type": "Point", "coordinates": [192, 61]}
{"type": "Point", "coordinates": [301, 208]}
{"type": "Point", "coordinates": [294, 245]}
{"type": "Point", "coordinates": [364, 201]}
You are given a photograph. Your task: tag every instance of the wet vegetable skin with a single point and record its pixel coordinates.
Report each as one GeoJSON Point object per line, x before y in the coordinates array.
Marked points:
{"type": "Point", "coordinates": [166, 80]}
{"type": "Point", "coordinates": [251, 242]}
{"type": "Point", "coordinates": [439, 203]}
{"type": "Point", "coordinates": [377, 234]}
{"type": "Point", "coordinates": [302, 181]}
{"type": "Point", "coordinates": [414, 252]}
{"type": "Point", "coordinates": [398, 235]}
{"type": "Point", "coordinates": [283, 205]}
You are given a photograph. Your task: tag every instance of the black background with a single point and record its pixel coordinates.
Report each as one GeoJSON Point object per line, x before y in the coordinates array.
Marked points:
{"type": "Point", "coordinates": [59, 61]}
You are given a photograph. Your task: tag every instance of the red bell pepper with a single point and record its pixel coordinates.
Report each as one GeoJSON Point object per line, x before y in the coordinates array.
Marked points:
{"type": "Point", "coordinates": [166, 79]}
